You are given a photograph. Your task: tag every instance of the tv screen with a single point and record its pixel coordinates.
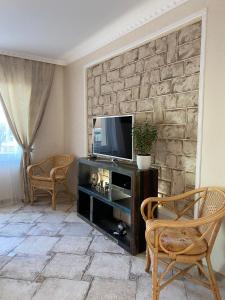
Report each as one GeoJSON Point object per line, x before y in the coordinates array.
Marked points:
{"type": "Point", "coordinates": [112, 136]}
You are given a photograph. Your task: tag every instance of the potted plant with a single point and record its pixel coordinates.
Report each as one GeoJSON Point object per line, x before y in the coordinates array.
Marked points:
{"type": "Point", "coordinates": [145, 135]}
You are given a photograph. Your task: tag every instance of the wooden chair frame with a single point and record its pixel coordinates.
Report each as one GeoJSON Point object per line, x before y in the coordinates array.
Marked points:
{"type": "Point", "coordinates": [49, 180]}
{"type": "Point", "coordinates": [209, 225]}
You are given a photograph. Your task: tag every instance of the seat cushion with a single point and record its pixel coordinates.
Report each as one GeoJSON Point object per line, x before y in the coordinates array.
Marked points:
{"type": "Point", "coordinates": [177, 239]}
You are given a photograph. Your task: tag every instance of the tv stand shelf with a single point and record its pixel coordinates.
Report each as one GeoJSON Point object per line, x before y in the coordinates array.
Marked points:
{"type": "Point", "coordinates": [105, 209]}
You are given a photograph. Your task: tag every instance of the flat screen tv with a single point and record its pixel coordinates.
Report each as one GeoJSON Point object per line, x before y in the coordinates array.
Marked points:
{"type": "Point", "coordinates": [112, 136]}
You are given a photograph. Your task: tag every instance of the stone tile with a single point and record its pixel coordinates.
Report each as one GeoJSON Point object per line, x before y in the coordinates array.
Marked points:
{"type": "Point", "coordinates": [96, 232]}
{"type": "Point", "coordinates": [103, 244]}
{"type": "Point", "coordinates": [24, 217]}
{"type": "Point", "coordinates": [196, 292]}
{"type": "Point", "coordinates": [11, 289]}
{"type": "Point", "coordinates": [36, 245]}
{"type": "Point", "coordinates": [24, 267]}
{"type": "Point", "coordinates": [15, 229]}
{"type": "Point", "coordinates": [73, 218]}
{"type": "Point", "coordinates": [7, 244]}
{"type": "Point", "coordinates": [77, 229]}
{"type": "Point", "coordinates": [45, 229]}
{"type": "Point", "coordinates": [111, 289]}
{"type": "Point", "coordinates": [73, 244]}
{"type": "Point", "coordinates": [10, 209]}
{"type": "Point", "coordinates": [68, 266]}
{"type": "Point", "coordinates": [62, 289]}
{"type": "Point", "coordinates": [144, 288]}
{"type": "Point", "coordinates": [110, 266]}
{"type": "Point", "coordinates": [4, 260]}
{"type": "Point", "coordinates": [53, 217]}
{"type": "Point", "coordinates": [4, 217]}
{"type": "Point", "coordinates": [138, 265]}
{"type": "Point", "coordinates": [175, 290]}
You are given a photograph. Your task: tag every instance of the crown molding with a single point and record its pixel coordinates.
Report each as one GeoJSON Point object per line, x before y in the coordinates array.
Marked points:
{"type": "Point", "coordinates": [110, 33]}
{"type": "Point", "coordinates": [33, 57]}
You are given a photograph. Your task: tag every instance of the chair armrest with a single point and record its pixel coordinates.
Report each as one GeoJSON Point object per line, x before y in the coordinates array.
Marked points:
{"type": "Point", "coordinates": [54, 170]}
{"type": "Point", "coordinates": [159, 201]}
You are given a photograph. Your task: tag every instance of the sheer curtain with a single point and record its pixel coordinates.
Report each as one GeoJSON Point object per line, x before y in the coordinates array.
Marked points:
{"type": "Point", "coordinates": [10, 158]}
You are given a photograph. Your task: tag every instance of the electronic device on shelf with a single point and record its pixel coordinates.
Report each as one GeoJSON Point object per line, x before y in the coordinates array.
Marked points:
{"type": "Point", "coordinates": [112, 137]}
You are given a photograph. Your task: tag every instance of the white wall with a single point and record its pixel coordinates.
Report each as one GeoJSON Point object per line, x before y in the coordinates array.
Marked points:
{"type": "Point", "coordinates": [213, 141]}
{"type": "Point", "coordinates": [50, 137]}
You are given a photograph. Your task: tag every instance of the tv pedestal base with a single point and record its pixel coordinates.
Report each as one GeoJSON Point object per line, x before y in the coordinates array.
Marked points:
{"type": "Point", "coordinates": [105, 209]}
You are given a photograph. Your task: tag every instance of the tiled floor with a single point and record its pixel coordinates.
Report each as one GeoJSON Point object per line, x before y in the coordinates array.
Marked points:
{"type": "Point", "coordinates": [54, 255]}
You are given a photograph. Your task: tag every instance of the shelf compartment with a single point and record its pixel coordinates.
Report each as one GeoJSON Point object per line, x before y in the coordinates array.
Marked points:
{"type": "Point", "coordinates": [123, 204]}
{"type": "Point", "coordinates": [84, 207]}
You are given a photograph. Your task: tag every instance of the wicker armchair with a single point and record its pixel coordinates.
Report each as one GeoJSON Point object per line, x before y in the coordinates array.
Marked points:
{"type": "Point", "coordinates": [49, 175]}
{"type": "Point", "coordinates": [184, 241]}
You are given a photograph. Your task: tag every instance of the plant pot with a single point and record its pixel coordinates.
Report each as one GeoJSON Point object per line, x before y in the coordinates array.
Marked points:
{"type": "Point", "coordinates": [144, 162]}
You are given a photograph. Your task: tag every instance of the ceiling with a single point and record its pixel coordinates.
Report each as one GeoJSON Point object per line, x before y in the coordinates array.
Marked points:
{"type": "Point", "coordinates": [61, 31]}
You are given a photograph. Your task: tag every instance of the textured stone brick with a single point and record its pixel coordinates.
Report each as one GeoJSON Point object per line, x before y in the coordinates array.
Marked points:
{"type": "Point", "coordinates": [113, 98]}
{"type": "Point", "coordinates": [172, 131]}
{"type": "Point", "coordinates": [186, 163]}
{"type": "Point", "coordinates": [172, 51]}
{"type": "Point", "coordinates": [192, 66]}
{"type": "Point", "coordinates": [91, 92]}
{"type": "Point", "coordinates": [160, 158]}
{"type": "Point", "coordinates": [90, 125]}
{"type": "Point", "coordinates": [189, 147]}
{"type": "Point", "coordinates": [130, 56]}
{"type": "Point", "coordinates": [192, 121]}
{"type": "Point", "coordinates": [95, 101]}
{"type": "Point", "coordinates": [108, 109]}
{"type": "Point", "coordinates": [97, 70]}
{"type": "Point", "coordinates": [147, 50]}
{"type": "Point", "coordinates": [116, 62]}
{"type": "Point", "coordinates": [171, 161]}
{"type": "Point", "coordinates": [158, 107]}
{"type": "Point", "coordinates": [106, 88]}
{"type": "Point", "coordinates": [189, 179]}
{"type": "Point", "coordinates": [90, 82]}
{"type": "Point", "coordinates": [155, 61]}
{"type": "Point", "coordinates": [170, 101]}
{"type": "Point", "coordinates": [97, 111]}
{"type": "Point", "coordinates": [173, 70]}
{"type": "Point", "coordinates": [187, 99]}
{"type": "Point", "coordinates": [189, 33]}
{"type": "Point", "coordinates": [189, 50]}
{"type": "Point", "coordinates": [149, 117]}
{"type": "Point", "coordinates": [160, 146]}
{"type": "Point", "coordinates": [140, 117]}
{"type": "Point", "coordinates": [178, 182]}
{"type": "Point", "coordinates": [144, 105]}
{"type": "Point", "coordinates": [119, 85]}
{"type": "Point", "coordinates": [161, 44]}
{"type": "Point", "coordinates": [128, 107]}
{"type": "Point", "coordinates": [145, 79]}
{"type": "Point", "coordinates": [140, 66]}
{"type": "Point", "coordinates": [164, 187]}
{"type": "Point", "coordinates": [185, 84]}
{"type": "Point", "coordinates": [144, 91]}
{"type": "Point", "coordinates": [128, 70]}
{"type": "Point", "coordinates": [89, 73]}
{"type": "Point", "coordinates": [113, 75]}
{"type": "Point", "coordinates": [161, 88]}
{"type": "Point", "coordinates": [174, 146]}
{"type": "Point", "coordinates": [103, 78]}
{"type": "Point", "coordinates": [166, 174]}
{"type": "Point", "coordinates": [135, 93]}
{"type": "Point", "coordinates": [104, 100]}
{"type": "Point", "coordinates": [97, 85]}
{"type": "Point", "coordinates": [177, 116]}
{"type": "Point", "coordinates": [106, 65]}
{"type": "Point", "coordinates": [124, 95]}
{"type": "Point", "coordinates": [154, 76]}
{"type": "Point", "coordinates": [132, 81]}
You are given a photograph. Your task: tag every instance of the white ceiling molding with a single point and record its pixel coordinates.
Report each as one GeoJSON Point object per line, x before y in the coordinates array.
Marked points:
{"type": "Point", "coordinates": [33, 57]}
{"type": "Point", "coordinates": [129, 23]}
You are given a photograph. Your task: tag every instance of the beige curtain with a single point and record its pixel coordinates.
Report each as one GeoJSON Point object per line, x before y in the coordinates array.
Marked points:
{"type": "Point", "coordinates": [24, 89]}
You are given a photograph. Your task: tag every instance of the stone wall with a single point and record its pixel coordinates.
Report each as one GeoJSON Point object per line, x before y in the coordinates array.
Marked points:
{"type": "Point", "coordinates": [157, 82]}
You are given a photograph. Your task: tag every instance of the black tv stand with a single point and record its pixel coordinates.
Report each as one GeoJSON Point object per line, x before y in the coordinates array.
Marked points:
{"type": "Point", "coordinates": [103, 208]}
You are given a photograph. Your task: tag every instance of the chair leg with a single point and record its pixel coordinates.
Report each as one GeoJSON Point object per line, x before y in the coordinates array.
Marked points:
{"type": "Point", "coordinates": [199, 270]}
{"type": "Point", "coordinates": [31, 195]}
{"type": "Point", "coordinates": [213, 282]}
{"type": "Point", "coordinates": [54, 199]}
{"type": "Point", "coordinates": [148, 260]}
{"type": "Point", "coordinates": [155, 287]}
